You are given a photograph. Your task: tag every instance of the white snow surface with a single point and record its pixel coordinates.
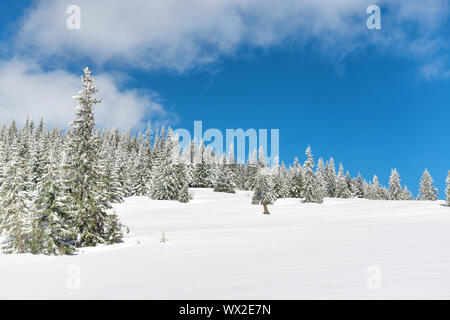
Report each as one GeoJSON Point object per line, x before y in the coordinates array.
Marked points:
{"type": "Point", "coordinates": [222, 247]}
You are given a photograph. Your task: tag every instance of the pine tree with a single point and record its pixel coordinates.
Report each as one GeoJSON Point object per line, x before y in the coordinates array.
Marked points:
{"type": "Point", "coordinates": [311, 188]}
{"type": "Point", "coordinates": [91, 219]}
{"type": "Point", "coordinates": [53, 233]}
{"type": "Point", "coordinates": [426, 190]}
{"type": "Point", "coordinates": [16, 205]}
{"type": "Point", "coordinates": [296, 180]}
{"type": "Point", "coordinates": [280, 181]}
{"type": "Point", "coordinates": [202, 175]}
{"type": "Point", "coordinates": [181, 173]}
{"type": "Point", "coordinates": [406, 194]}
{"type": "Point", "coordinates": [321, 175]}
{"type": "Point", "coordinates": [374, 191]}
{"type": "Point", "coordinates": [331, 179]}
{"type": "Point", "coordinates": [183, 195]}
{"type": "Point", "coordinates": [358, 187]}
{"type": "Point", "coordinates": [342, 190]}
{"type": "Point", "coordinates": [166, 182]}
{"type": "Point", "coordinates": [264, 188]}
{"type": "Point", "coordinates": [224, 182]}
{"type": "Point", "coordinates": [395, 188]}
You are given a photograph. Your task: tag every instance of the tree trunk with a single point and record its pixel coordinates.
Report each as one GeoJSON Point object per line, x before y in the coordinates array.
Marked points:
{"type": "Point", "coordinates": [266, 211]}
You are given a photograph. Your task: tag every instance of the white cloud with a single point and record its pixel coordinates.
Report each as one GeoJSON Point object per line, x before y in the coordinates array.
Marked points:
{"type": "Point", "coordinates": [25, 89]}
{"type": "Point", "coordinates": [181, 35]}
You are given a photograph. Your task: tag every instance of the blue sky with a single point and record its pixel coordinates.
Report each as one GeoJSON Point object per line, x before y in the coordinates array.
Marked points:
{"type": "Point", "coordinates": [372, 99]}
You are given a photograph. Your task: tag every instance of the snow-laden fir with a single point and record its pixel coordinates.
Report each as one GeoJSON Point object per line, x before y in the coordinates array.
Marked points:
{"type": "Point", "coordinates": [57, 187]}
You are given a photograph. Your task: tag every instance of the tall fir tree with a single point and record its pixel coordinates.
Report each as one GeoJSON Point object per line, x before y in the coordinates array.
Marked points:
{"type": "Point", "coordinates": [263, 188]}
{"type": "Point", "coordinates": [94, 225]}
{"type": "Point", "coordinates": [224, 182]}
{"type": "Point", "coordinates": [426, 189]}
{"type": "Point", "coordinates": [374, 191]}
{"type": "Point", "coordinates": [16, 204]}
{"type": "Point", "coordinates": [331, 179]}
{"type": "Point", "coordinates": [311, 189]}
{"type": "Point", "coordinates": [395, 188]}
{"type": "Point", "coordinates": [296, 181]}
{"type": "Point", "coordinates": [53, 231]}
{"type": "Point", "coordinates": [342, 190]}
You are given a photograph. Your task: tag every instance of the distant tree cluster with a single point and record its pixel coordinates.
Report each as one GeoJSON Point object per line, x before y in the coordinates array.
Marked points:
{"type": "Point", "coordinates": [57, 186]}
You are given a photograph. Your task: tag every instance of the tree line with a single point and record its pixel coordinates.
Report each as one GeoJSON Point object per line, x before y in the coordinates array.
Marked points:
{"type": "Point", "coordinates": [57, 186]}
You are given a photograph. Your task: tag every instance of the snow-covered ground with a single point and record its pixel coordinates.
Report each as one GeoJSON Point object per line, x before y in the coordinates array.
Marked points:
{"type": "Point", "coordinates": [222, 247]}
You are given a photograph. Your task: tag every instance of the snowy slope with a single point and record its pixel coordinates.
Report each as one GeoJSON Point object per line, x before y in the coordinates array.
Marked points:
{"type": "Point", "coordinates": [220, 246]}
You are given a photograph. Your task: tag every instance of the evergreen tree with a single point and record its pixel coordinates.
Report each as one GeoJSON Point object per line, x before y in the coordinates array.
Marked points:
{"type": "Point", "coordinates": [342, 190]}
{"type": "Point", "coordinates": [251, 172]}
{"type": "Point", "coordinates": [181, 173]}
{"type": "Point", "coordinates": [53, 233]}
{"type": "Point", "coordinates": [280, 183]}
{"type": "Point", "coordinates": [406, 194]}
{"type": "Point", "coordinates": [166, 179]}
{"type": "Point", "coordinates": [16, 205]}
{"type": "Point", "coordinates": [311, 187]}
{"type": "Point", "coordinates": [426, 190]}
{"type": "Point", "coordinates": [264, 188]}
{"type": "Point", "coordinates": [331, 179]}
{"type": "Point", "coordinates": [202, 175]}
{"type": "Point", "coordinates": [91, 219]}
{"type": "Point", "coordinates": [374, 191]}
{"type": "Point", "coordinates": [395, 188]}
{"type": "Point", "coordinates": [358, 187]}
{"type": "Point", "coordinates": [296, 180]}
{"type": "Point", "coordinates": [224, 182]}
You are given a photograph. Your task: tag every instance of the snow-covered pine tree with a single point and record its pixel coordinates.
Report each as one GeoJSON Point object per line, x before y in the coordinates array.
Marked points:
{"type": "Point", "coordinates": [94, 225]}
{"type": "Point", "coordinates": [224, 182]}
{"type": "Point", "coordinates": [348, 179]}
{"type": "Point", "coordinates": [251, 172]}
{"type": "Point", "coordinates": [280, 182]}
{"type": "Point", "coordinates": [395, 188]}
{"type": "Point", "coordinates": [384, 193]}
{"type": "Point", "coordinates": [312, 191]}
{"type": "Point", "coordinates": [295, 180]}
{"type": "Point", "coordinates": [140, 169]}
{"type": "Point", "coordinates": [166, 180]}
{"type": "Point", "coordinates": [183, 195]}
{"type": "Point", "coordinates": [426, 189]}
{"type": "Point", "coordinates": [53, 231]}
{"type": "Point", "coordinates": [447, 190]}
{"type": "Point", "coordinates": [261, 157]}
{"type": "Point", "coordinates": [321, 174]}
{"type": "Point", "coordinates": [181, 173]}
{"type": "Point", "coordinates": [342, 190]}
{"type": "Point", "coordinates": [263, 188]}
{"type": "Point", "coordinates": [374, 191]}
{"type": "Point", "coordinates": [109, 183]}
{"type": "Point", "coordinates": [16, 203]}
{"type": "Point", "coordinates": [202, 175]}
{"type": "Point", "coordinates": [331, 179]}
{"type": "Point", "coordinates": [232, 166]}
{"type": "Point", "coordinates": [358, 186]}
{"type": "Point", "coordinates": [406, 194]}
